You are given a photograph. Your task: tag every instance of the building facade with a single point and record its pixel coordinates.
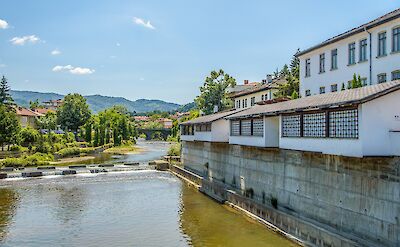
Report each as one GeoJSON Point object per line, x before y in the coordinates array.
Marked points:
{"type": "Point", "coordinates": [371, 51]}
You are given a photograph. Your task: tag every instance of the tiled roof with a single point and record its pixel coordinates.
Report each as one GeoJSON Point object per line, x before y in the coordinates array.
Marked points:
{"type": "Point", "coordinates": [211, 118]}
{"type": "Point", "coordinates": [20, 111]}
{"type": "Point", "coordinates": [43, 110]}
{"type": "Point", "coordinates": [321, 101]}
{"type": "Point", "coordinates": [274, 84]}
{"type": "Point", "coordinates": [383, 19]}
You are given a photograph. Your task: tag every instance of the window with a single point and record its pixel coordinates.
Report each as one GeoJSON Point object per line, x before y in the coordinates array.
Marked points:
{"type": "Point", "coordinates": [203, 127]}
{"type": "Point", "coordinates": [322, 63]}
{"type": "Point", "coordinates": [364, 81]}
{"type": "Point", "coordinates": [253, 101]}
{"type": "Point", "coordinates": [258, 127]}
{"type": "Point", "coordinates": [382, 44]}
{"type": "Point", "coordinates": [396, 75]}
{"type": "Point", "coordinates": [262, 97]}
{"type": "Point", "coordinates": [245, 101]}
{"type": "Point", "coordinates": [238, 104]}
{"type": "Point", "coordinates": [334, 54]}
{"type": "Point", "coordinates": [334, 88]}
{"type": "Point", "coordinates": [187, 130]}
{"type": "Point", "coordinates": [343, 124]}
{"type": "Point", "coordinates": [308, 93]}
{"type": "Point", "coordinates": [308, 67]}
{"type": "Point", "coordinates": [322, 90]}
{"type": "Point", "coordinates": [314, 125]}
{"type": "Point", "coordinates": [352, 53]}
{"type": "Point", "coordinates": [291, 126]}
{"type": "Point", "coordinates": [363, 50]}
{"type": "Point", "coordinates": [245, 129]}
{"type": "Point", "coordinates": [382, 78]}
{"type": "Point", "coordinates": [235, 127]}
{"type": "Point", "coordinates": [396, 40]}
{"type": "Point", "coordinates": [243, 104]}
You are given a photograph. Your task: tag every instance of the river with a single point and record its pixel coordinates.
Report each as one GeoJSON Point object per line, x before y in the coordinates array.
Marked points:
{"type": "Point", "coordinates": [142, 208]}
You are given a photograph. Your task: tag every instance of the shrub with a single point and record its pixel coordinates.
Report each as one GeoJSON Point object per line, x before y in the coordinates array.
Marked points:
{"type": "Point", "coordinates": [28, 136]}
{"type": "Point", "coordinates": [15, 148]}
{"type": "Point", "coordinates": [174, 150]}
{"type": "Point", "coordinates": [69, 151]}
{"type": "Point", "coordinates": [36, 159]}
{"type": "Point", "coordinates": [43, 147]}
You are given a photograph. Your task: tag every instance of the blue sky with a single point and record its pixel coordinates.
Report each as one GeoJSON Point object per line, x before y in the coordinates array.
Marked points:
{"type": "Point", "coordinates": [161, 49]}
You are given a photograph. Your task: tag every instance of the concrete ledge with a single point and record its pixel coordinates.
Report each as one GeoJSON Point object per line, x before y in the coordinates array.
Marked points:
{"type": "Point", "coordinates": [68, 172]}
{"type": "Point", "coordinates": [3, 175]}
{"type": "Point", "coordinates": [46, 167]}
{"type": "Point", "coordinates": [131, 163]}
{"type": "Point", "coordinates": [106, 165]}
{"type": "Point", "coordinates": [7, 169]}
{"type": "Point", "coordinates": [160, 165]}
{"type": "Point", "coordinates": [76, 166]}
{"type": "Point", "coordinates": [31, 174]}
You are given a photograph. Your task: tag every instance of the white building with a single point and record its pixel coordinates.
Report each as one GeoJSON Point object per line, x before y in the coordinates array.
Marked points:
{"type": "Point", "coordinates": [263, 92]}
{"type": "Point", "coordinates": [209, 128]}
{"type": "Point", "coordinates": [371, 51]}
{"type": "Point", "coordinates": [356, 122]}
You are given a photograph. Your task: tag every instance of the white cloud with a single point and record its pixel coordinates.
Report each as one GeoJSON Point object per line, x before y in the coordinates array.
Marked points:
{"type": "Point", "coordinates": [118, 44]}
{"type": "Point", "coordinates": [3, 24]}
{"type": "Point", "coordinates": [113, 57]}
{"type": "Point", "coordinates": [73, 70]}
{"type": "Point", "coordinates": [55, 52]}
{"type": "Point", "coordinates": [2, 65]}
{"type": "Point", "coordinates": [25, 39]}
{"type": "Point", "coordinates": [141, 22]}
{"type": "Point", "coordinates": [141, 79]}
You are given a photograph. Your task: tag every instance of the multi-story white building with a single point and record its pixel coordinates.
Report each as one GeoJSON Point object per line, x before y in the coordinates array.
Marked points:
{"type": "Point", "coordinates": [263, 92]}
{"type": "Point", "coordinates": [371, 51]}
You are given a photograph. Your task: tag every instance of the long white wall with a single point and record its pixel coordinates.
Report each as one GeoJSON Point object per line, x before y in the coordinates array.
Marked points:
{"type": "Point", "coordinates": [344, 73]}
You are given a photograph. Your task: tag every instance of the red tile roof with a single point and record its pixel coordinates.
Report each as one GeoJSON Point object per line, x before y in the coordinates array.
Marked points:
{"type": "Point", "coordinates": [20, 111]}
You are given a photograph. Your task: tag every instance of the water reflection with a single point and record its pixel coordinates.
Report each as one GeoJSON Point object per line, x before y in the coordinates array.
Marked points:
{"type": "Point", "coordinates": [70, 203]}
{"type": "Point", "coordinates": [208, 223]}
{"type": "Point", "coordinates": [8, 204]}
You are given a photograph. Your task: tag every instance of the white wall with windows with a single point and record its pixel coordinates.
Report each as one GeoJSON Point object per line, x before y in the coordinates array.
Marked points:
{"type": "Point", "coordinates": [216, 131]}
{"type": "Point", "coordinates": [327, 68]}
{"type": "Point", "coordinates": [247, 101]}
{"type": "Point", "coordinates": [259, 132]}
{"type": "Point", "coordinates": [372, 129]}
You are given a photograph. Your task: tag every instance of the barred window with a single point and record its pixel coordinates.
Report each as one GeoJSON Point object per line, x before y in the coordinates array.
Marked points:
{"type": "Point", "coordinates": [198, 127]}
{"type": "Point", "coordinates": [258, 127]}
{"type": "Point", "coordinates": [208, 127]}
{"type": "Point", "coordinates": [314, 125]}
{"type": "Point", "coordinates": [235, 127]}
{"type": "Point", "coordinates": [343, 124]}
{"type": "Point", "coordinates": [291, 126]}
{"type": "Point", "coordinates": [246, 127]}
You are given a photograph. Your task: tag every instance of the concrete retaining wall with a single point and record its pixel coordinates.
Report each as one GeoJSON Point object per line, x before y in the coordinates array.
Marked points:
{"type": "Point", "coordinates": [352, 196]}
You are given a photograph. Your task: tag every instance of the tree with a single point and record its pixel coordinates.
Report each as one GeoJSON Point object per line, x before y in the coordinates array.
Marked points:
{"type": "Point", "coordinates": [88, 131]}
{"type": "Point", "coordinates": [48, 121]}
{"type": "Point", "coordinates": [5, 96]}
{"type": "Point", "coordinates": [213, 92]}
{"type": "Point", "coordinates": [28, 136]}
{"type": "Point", "coordinates": [9, 126]}
{"type": "Point", "coordinates": [292, 76]}
{"type": "Point", "coordinates": [34, 104]}
{"type": "Point", "coordinates": [74, 112]}
{"type": "Point", "coordinates": [356, 82]}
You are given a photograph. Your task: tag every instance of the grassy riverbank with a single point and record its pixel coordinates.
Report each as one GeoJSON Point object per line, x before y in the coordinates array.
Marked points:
{"type": "Point", "coordinates": [124, 149]}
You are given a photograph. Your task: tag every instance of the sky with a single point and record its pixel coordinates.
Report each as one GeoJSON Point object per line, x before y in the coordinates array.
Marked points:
{"type": "Point", "coordinates": [158, 49]}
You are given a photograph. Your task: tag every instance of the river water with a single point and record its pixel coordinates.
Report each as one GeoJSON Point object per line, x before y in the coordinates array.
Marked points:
{"type": "Point", "coordinates": [142, 208]}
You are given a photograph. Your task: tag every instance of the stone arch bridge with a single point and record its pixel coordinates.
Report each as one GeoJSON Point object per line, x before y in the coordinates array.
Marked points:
{"type": "Point", "coordinates": [155, 133]}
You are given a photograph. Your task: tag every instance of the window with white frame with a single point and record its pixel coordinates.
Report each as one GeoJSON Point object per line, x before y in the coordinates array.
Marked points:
{"type": "Point", "coordinates": [396, 39]}
{"type": "Point", "coordinates": [314, 125]}
{"type": "Point", "coordinates": [308, 67]}
{"type": "Point", "coordinates": [334, 88]}
{"type": "Point", "coordinates": [396, 75]}
{"type": "Point", "coordinates": [246, 127]}
{"type": "Point", "coordinates": [253, 101]}
{"type": "Point", "coordinates": [322, 90]}
{"type": "Point", "coordinates": [334, 54]}
{"type": "Point", "coordinates": [382, 78]}
{"type": "Point", "coordinates": [363, 50]}
{"type": "Point", "coordinates": [235, 127]}
{"type": "Point", "coordinates": [322, 63]}
{"type": "Point", "coordinates": [343, 124]}
{"type": "Point", "coordinates": [291, 126]}
{"type": "Point", "coordinates": [382, 44]}
{"type": "Point", "coordinates": [352, 53]}
{"type": "Point", "coordinates": [258, 127]}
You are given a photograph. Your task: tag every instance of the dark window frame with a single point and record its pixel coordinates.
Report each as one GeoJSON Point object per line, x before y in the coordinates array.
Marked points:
{"type": "Point", "coordinates": [334, 59]}
{"type": "Point", "coordinates": [322, 63]}
{"type": "Point", "coordinates": [382, 51]}
{"type": "Point", "coordinates": [352, 53]}
{"type": "Point", "coordinates": [363, 50]}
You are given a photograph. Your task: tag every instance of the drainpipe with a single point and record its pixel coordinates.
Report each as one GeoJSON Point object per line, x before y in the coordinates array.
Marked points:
{"type": "Point", "coordinates": [370, 55]}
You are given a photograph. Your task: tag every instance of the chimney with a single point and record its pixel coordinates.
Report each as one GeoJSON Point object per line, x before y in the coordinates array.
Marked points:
{"type": "Point", "coordinates": [269, 78]}
{"type": "Point", "coordinates": [215, 108]}
{"type": "Point", "coordinates": [246, 82]}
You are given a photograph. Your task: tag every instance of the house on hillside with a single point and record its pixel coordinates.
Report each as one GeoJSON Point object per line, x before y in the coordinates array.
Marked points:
{"type": "Point", "coordinates": [166, 123]}
{"type": "Point", "coordinates": [371, 51]}
{"type": "Point", "coordinates": [27, 117]}
{"type": "Point", "coordinates": [258, 93]}
{"type": "Point", "coordinates": [357, 122]}
{"type": "Point", "coordinates": [53, 104]}
{"type": "Point", "coordinates": [209, 128]}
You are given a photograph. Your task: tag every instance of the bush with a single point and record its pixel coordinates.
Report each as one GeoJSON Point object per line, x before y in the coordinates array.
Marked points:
{"type": "Point", "coordinates": [28, 136]}
{"type": "Point", "coordinates": [69, 151]}
{"type": "Point", "coordinates": [15, 148]}
{"type": "Point", "coordinates": [43, 147]}
{"type": "Point", "coordinates": [36, 159]}
{"type": "Point", "coordinates": [172, 139]}
{"type": "Point", "coordinates": [174, 150]}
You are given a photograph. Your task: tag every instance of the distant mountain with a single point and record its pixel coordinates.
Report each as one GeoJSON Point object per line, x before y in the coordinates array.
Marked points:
{"type": "Point", "coordinates": [187, 107]}
{"type": "Point", "coordinates": [98, 102]}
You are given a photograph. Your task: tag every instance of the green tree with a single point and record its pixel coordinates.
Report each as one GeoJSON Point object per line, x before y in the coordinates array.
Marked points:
{"type": "Point", "coordinates": [292, 76]}
{"type": "Point", "coordinates": [213, 92]}
{"type": "Point", "coordinates": [74, 112]}
{"type": "Point", "coordinates": [9, 126]}
{"type": "Point", "coordinates": [34, 104]}
{"type": "Point", "coordinates": [5, 96]}
{"type": "Point", "coordinates": [88, 131]}
{"type": "Point", "coordinates": [356, 82]}
{"type": "Point", "coordinates": [28, 136]}
{"type": "Point", "coordinates": [48, 121]}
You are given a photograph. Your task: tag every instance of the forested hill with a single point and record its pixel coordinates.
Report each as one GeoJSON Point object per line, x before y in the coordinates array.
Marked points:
{"type": "Point", "coordinates": [98, 102]}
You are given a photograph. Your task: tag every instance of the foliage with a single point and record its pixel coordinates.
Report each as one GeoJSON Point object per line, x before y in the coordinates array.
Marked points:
{"type": "Point", "coordinates": [343, 87]}
{"type": "Point", "coordinates": [35, 104]}
{"type": "Point", "coordinates": [292, 76]}
{"type": "Point", "coordinates": [28, 136]}
{"type": "Point", "coordinates": [48, 121]}
{"type": "Point", "coordinates": [356, 82]}
{"type": "Point", "coordinates": [187, 107]}
{"type": "Point", "coordinates": [70, 151]}
{"type": "Point", "coordinates": [213, 92]}
{"type": "Point", "coordinates": [74, 112]}
{"type": "Point", "coordinates": [36, 159]}
{"type": "Point", "coordinates": [5, 96]}
{"type": "Point", "coordinates": [174, 150]}
{"type": "Point", "coordinates": [9, 126]}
